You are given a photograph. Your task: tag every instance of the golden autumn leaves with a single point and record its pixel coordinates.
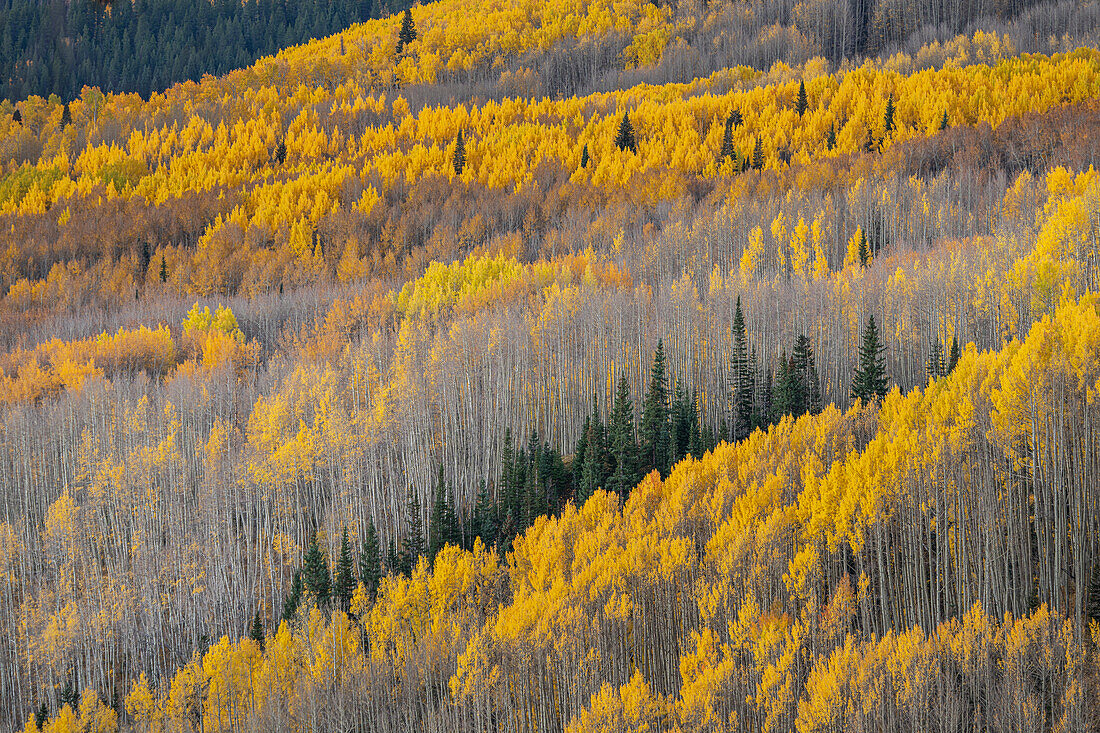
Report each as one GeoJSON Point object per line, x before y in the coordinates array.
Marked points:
{"type": "Point", "coordinates": [699, 604]}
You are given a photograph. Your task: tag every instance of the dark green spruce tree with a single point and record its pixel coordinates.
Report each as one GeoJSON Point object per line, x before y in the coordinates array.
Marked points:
{"type": "Point", "coordinates": [679, 443]}
{"type": "Point", "coordinates": [315, 573]}
{"type": "Point", "coordinates": [595, 456]}
{"type": "Point", "coordinates": [580, 455]}
{"type": "Point", "coordinates": [953, 355]}
{"type": "Point", "coordinates": [393, 557]}
{"type": "Point", "coordinates": [936, 366]}
{"type": "Point", "coordinates": [293, 598]}
{"type": "Point", "coordinates": [507, 471]}
{"type": "Point", "coordinates": [256, 631]}
{"type": "Point", "coordinates": [809, 386]}
{"type": "Point", "coordinates": [869, 381]}
{"type": "Point", "coordinates": [653, 436]}
{"type": "Point", "coordinates": [438, 531]}
{"type": "Point", "coordinates": [624, 448]}
{"type": "Point", "coordinates": [785, 393]}
{"type": "Point", "coordinates": [624, 138]}
{"type": "Point", "coordinates": [534, 498]}
{"type": "Point", "coordinates": [412, 547]}
{"type": "Point", "coordinates": [485, 519]}
{"type": "Point", "coordinates": [758, 155]}
{"type": "Point", "coordinates": [584, 156]}
{"type": "Point", "coordinates": [370, 561]}
{"type": "Point", "coordinates": [888, 117]}
{"type": "Point", "coordinates": [802, 103]}
{"type": "Point", "coordinates": [460, 154]}
{"type": "Point", "coordinates": [343, 585]}
{"type": "Point", "coordinates": [762, 416]}
{"type": "Point", "coordinates": [727, 151]}
{"type": "Point", "coordinates": [742, 385]}
{"type": "Point", "coordinates": [554, 478]}
{"type": "Point", "coordinates": [700, 441]}
{"type": "Point", "coordinates": [407, 34]}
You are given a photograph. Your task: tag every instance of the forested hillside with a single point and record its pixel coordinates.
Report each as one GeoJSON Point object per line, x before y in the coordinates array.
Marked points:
{"type": "Point", "coordinates": [597, 366]}
{"type": "Point", "coordinates": [58, 47]}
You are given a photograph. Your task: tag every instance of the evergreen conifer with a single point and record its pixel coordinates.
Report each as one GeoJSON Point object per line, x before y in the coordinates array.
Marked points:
{"type": "Point", "coordinates": [413, 545]}
{"type": "Point", "coordinates": [315, 573]}
{"type": "Point", "coordinates": [407, 34]}
{"type": "Point", "coordinates": [624, 449]}
{"type": "Point", "coordinates": [654, 433]}
{"type": "Point", "coordinates": [936, 365]}
{"type": "Point", "coordinates": [256, 632]}
{"type": "Point", "coordinates": [953, 356]}
{"type": "Point", "coordinates": [624, 139]}
{"type": "Point", "coordinates": [870, 379]}
{"type": "Point", "coordinates": [294, 598]}
{"type": "Point", "coordinates": [343, 586]}
{"type": "Point", "coordinates": [743, 386]}
{"type": "Point", "coordinates": [370, 561]}
{"type": "Point", "coordinates": [460, 154]}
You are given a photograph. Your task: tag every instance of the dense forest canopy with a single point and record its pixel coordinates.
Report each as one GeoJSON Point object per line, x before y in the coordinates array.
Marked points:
{"type": "Point", "coordinates": [551, 366]}
{"type": "Point", "coordinates": [58, 47]}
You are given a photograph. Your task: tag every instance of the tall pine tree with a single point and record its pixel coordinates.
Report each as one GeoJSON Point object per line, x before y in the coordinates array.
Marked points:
{"type": "Point", "coordinates": [595, 456]}
{"type": "Point", "coordinates": [407, 34]}
{"type": "Point", "coordinates": [869, 381]}
{"type": "Point", "coordinates": [809, 387]}
{"type": "Point", "coordinates": [936, 366]}
{"type": "Point", "coordinates": [758, 155]}
{"type": "Point", "coordinates": [742, 387]}
{"type": "Point", "coordinates": [785, 399]}
{"type": "Point", "coordinates": [765, 407]}
{"type": "Point", "coordinates": [293, 598]}
{"type": "Point", "coordinates": [727, 151]}
{"type": "Point", "coordinates": [438, 531]}
{"type": "Point", "coordinates": [460, 154]}
{"type": "Point", "coordinates": [485, 519]}
{"type": "Point", "coordinates": [505, 489]}
{"type": "Point", "coordinates": [343, 585]}
{"type": "Point", "coordinates": [654, 434]}
{"type": "Point", "coordinates": [864, 250]}
{"type": "Point", "coordinates": [580, 454]}
{"type": "Point", "coordinates": [256, 632]}
{"type": "Point", "coordinates": [370, 561]}
{"type": "Point", "coordinates": [412, 546]}
{"type": "Point", "coordinates": [953, 356]}
{"type": "Point", "coordinates": [802, 103]}
{"type": "Point", "coordinates": [624, 139]}
{"type": "Point", "coordinates": [315, 573]}
{"type": "Point", "coordinates": [681, 425]}
{"type": "Point", "coordinates": [624, 449]}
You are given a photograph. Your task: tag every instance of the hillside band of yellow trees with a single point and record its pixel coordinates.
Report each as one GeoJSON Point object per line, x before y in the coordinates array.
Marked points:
{"type": "Point", "coordinates": [634, 366]}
